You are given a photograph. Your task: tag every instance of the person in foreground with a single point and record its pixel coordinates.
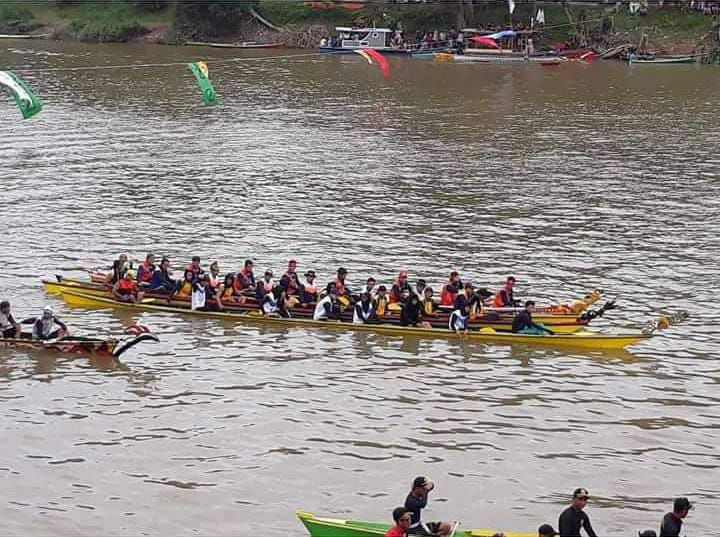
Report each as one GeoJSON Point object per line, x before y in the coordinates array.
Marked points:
{"type": "Point", "coordinates": [546, 530]}
{"type": "Point", "coordinates": [43, 327]}
{"type": "Point", "coordinates": [672, 522]}
{"type": "Point", "coordinates": [9, 327]}
{"type": "Point", "coordinates": [574, 518]}
{"type": "Point", "coordinates": [402, 518]}
{"type": "Point", "coordinates": [523, 322]}
{"type": "Point", "coordinates": [415, 502]}
{"type": "Point", "coordinates": [126, 289]}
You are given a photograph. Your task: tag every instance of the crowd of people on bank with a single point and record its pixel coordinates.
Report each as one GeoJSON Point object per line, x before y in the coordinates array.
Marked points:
{"type": "Point", "coordinates": [572, 522]}
{"type": "Point", "coordinates": [370, 303]}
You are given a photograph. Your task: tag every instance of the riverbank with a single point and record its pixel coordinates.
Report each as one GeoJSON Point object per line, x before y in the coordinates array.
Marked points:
{"type": "Point", "coordinates": [667, 31]}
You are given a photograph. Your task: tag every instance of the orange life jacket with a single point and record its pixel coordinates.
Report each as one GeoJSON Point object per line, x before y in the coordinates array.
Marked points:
{"type": "Point", "coordinates": [447, 298]}
{"type": "Point", "coordinates": [126, 287]}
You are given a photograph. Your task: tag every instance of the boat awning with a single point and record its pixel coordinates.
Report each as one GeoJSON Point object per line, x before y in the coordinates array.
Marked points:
{"type": "Point", "coordinates": [484, 40]}
{"type": "Point", "coordinates": [359, 30]}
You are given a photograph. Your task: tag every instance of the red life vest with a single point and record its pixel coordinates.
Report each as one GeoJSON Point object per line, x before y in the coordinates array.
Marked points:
{"type": "Point", "coordinates": [126, 287]}
{"type": "Point", "coordinates": [292, 286]}
{"type": "Point", "coordinates": [147, 272]}
{"type": "Point", "coordinates": [447, 297]}
{"type": "Point", "coordinates": [498, 301]}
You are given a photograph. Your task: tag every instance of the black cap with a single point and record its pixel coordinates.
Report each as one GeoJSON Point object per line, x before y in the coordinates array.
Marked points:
{"type": "Point", "coordinates": [342, 270]}
{"type": "Point", "coordinates": [681, 504]}
{"type": "Point", "coordinates": [195, 258]}
{"type": "Point", "coordinates": [647, 533]}
{"type": "Point", "coordinates": [546, 530]}
{"type": "Point", "coordinates": [420, 481]}
{"type": "Point", "coordinates": [310, 273]}
{"type": "Point", "coordinates": [580, 493]}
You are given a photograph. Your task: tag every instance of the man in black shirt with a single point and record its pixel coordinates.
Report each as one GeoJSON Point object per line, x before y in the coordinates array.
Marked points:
{"type": "Point", "coordinates": [574, 518]}
{"type": "Point", "coordinates": [672, 522]}
{"type": "Point", "coordinates": [415, 502]}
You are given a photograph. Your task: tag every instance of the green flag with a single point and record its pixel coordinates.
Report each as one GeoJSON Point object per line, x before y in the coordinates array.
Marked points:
{"type": "Point", "coordinates": [200, 71]}
{"type": "Point", "coordinates": [28, 104]}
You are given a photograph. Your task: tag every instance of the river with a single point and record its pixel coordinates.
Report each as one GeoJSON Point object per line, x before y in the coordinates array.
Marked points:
{"type": "Point", "coordinates": [571, 178]}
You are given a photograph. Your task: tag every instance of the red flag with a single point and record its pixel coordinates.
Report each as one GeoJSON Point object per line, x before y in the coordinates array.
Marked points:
{"type": "Point", "coordinates": [371, 54]}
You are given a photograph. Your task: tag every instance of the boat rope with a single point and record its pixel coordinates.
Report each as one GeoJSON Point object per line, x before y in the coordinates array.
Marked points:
{"type": "Point", "coordinates": [167, 64]}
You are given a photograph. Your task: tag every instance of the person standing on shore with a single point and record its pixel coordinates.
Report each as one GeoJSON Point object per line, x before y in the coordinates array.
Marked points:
{"type": "Point", "coordinates": [672, 522]}
{"type": "Point", "coordinates": [574, 518]}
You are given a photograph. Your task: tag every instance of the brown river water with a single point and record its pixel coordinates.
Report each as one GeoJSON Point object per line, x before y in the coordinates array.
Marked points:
{"type": "Point", "coordinates": [572, 178]}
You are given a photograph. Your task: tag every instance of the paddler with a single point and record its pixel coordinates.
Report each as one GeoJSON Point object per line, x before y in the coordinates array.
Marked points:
{"type": "Point", "coordinates": [245, 279]}
{"type": "Point", "coordinates": [523, 322]}
{"type": "Point", "coordinates": [161, 281]}
{"type": "Point", "coordinates": [146, 270]}
{"type": "Point", "coordinates": [9, 327]}
{"type": "Point", "coordinates": [504, 297]}
{"type": "Point", "coordinates": [289, 280]}
{"type": "Point", "coordinates": [43, 327]}
{"type": "Point", "coordinates": [380, 302]}
{"type": "Point", "coordinates": [546, 530]}
{"type": "Point", "coordinates": [400, 286]}
{"type": "Point", "coordinates": [464, 299]}
{"type": "Point", "coordinates": [415, 502]}
{"type": "Point", "coordinates": [451, 289]}
{"type": "Point", "coordinates": [671, 524]}
{"type": "Point", "coordinates": [328, 308]}
{"type": "Point", "coordinates": [410, 314]}
{"type": "Point", "coordinates": [119, 267]}
{"type": "Point", "coordinates": [195, 266]}
{"type": "Point", "coordinates": [214, 279]}
{"type": "Point", "coordinates": [402, 518]}
{"type": "Point", "coordinates": [185, 286]}
{"type": "Point", "coordinates": [420, 286]}
{"type": "Point", "coordinates": [126, 290]}
{"type": "Point", "coordinates": [428, 304]}
{"type": "Point", "coordinates": [202, 293]}
{"type": "Point", "coordinates": [264, 286]}
{"type": "Point", "coordinates": [370, 287]}
{"type": "Point", "coordinates": [575, 518]}
{"type": "Point", "coordinates": [228, 293]}
{"type": "Point", "coordinates": [340, 287]}
{"type": "Point", "coordinates": [458, 321]}
{"type": "Point", "coordinates": [308, 289]}
{"type": "Point", "coordinates": [363, 311]}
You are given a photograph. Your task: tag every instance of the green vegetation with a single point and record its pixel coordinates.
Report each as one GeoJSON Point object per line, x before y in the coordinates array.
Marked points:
{"type": "Point", "coordinates": [284, 13]}
{"type": "Point", "coordinates": [16, 18]}
{"type": "Point", "coordinates": [113, 22]}
{"type": "Point", "coordinates": [202, 19]}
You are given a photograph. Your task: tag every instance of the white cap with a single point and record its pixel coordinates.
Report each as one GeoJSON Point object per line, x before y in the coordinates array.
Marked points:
{"type": "Point", "coordinates": [48, 309]}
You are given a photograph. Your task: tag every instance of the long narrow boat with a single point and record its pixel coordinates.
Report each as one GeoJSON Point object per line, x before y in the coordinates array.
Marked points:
{"type": "Point", "coordinates": [561, 323]}
{"type": "Point", "coordinates": [497, 58]}
{"type": "Point", "coordinates": [662, 60]}
{"type": "Point", "coordinates": [583, 339]}
{"type": "Point", "coordinates": [335, 527]}
{"type": "Point", "coordinates": [77, 345]}
{"type": "Point", "coordinates": [245, 45]}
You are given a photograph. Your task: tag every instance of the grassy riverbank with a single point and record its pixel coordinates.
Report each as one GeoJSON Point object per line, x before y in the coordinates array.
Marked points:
{"type": "Point", "coordinates": [667, 30]}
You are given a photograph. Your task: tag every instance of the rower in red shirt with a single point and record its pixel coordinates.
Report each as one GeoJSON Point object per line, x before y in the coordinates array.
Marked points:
{"type": "Point", "coordinates": [451, 289]}
{"type": "Point", "coordinates": [289, 281]}
{"type": "Point", "coordinates": [402, 518]}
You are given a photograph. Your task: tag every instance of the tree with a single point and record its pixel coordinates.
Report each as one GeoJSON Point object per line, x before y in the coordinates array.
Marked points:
{"type": "Point", "coordinates": [203, 19]}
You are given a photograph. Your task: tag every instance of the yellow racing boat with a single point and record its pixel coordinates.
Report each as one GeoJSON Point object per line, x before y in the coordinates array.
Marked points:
{"type": "Point", "coordinates": [582, 339]}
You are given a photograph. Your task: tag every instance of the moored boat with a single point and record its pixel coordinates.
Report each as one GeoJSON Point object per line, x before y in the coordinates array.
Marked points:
{"type": "Point", "coordinates": [562, 320]}
{"type": "Point", "coordinates": [582, 339]}
{"type": "Point", "coordinates": [660, 60]}
{"type": "Point", "coordinates": [350, 39]}
{"type": "Point", "coordinates": [245, 45]}
{"type": "Point", "coordinates": [498, 58]}
{"type": "Point", "coordinates": [335, 527]}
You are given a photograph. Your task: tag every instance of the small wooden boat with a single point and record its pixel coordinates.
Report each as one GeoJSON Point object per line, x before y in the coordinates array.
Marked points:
{"type": "Point", "coordinates": [582, 339]}
{"type": "Point", "coordinates": [244, 44]}
{"type": "Point", "coordinates": [77, 345]}
{"type": "Point", "coordinates": [335, 527]}
{"type": "Point", "coordinates": [661, 60]}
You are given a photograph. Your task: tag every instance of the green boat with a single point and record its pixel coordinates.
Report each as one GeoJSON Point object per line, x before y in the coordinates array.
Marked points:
{"type": "Point", "coordinates": [334, 527]}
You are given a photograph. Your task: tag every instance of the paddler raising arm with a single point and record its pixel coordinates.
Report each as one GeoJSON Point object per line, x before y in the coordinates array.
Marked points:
{"type": "Point", "coordinates": [415, 502]}
{"type": "Point", "coordinates": [43, 327]}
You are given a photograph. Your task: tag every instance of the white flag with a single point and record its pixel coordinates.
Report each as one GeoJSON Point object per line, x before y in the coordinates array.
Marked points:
{"type": "Point", "coordinates": [540, 17]}
{"type": "Point", "coordinates": [511, 6]}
